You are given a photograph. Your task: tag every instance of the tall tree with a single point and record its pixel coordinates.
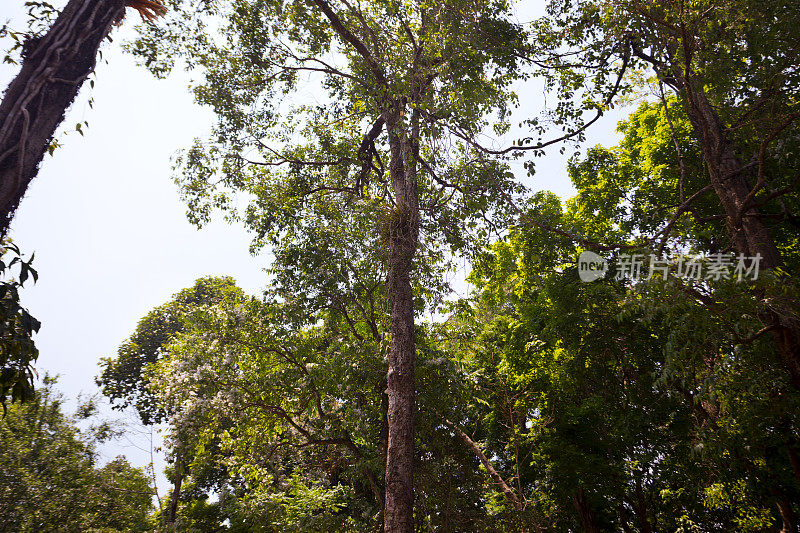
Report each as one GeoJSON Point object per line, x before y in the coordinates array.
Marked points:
{"type": "Point", "coordinates": [733, 67]}
{"type": "Point", "coordinates": [125, 379]}
{"type": "Point", "coordinates": [376, 150]}
{"type": "Point", "coordinates": [617, 405]}
{"type": "Point", "coordinates": [54, 67]}
{"type": "Point", "coordinates": [285, 416]}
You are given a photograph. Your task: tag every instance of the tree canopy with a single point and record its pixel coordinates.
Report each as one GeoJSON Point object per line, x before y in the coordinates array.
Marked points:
{"type": "Point", "coordinates": [50, 478]}
{"type": "Point", "coordinates": [370, 147]}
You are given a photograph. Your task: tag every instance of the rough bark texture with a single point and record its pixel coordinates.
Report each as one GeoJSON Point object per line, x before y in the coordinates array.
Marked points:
{"type": "Point", "coordinates": [403, 235]}
{"type": "Point", "coordinates": [54, 68]}
{"type": "Point", "coordinates": [730, 180]}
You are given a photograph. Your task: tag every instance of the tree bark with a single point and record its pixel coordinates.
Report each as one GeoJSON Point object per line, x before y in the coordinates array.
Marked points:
{"type": "Point", "coordinates": [585, 513]}
{"type": "Point", "coordinates": [176, 493]}
{"type": "Point", "coordinates": [728, 178]}
{"type": "Point", "coordinates": [403, 235]}
{"type": "Point", "coordinates": [53, 69]}
{"type": "Point", "coordinates": [789, 524]}
{"type": "Point", "coordinates": [750, 236]}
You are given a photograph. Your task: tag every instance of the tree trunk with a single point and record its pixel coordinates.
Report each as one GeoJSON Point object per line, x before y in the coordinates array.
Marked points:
{"type": "Point", "coordinates": [176, 494]}
{"type": "Point", "coordinates": [403, 235]}
{"type": "Point", "coordinates": [499, 483]}
{"type": "Point", "coordinates": [794, 459]}
{"type": "Point", "coordinates": [53, 69]}
{"type": "Point", "coordinates": [641, 509]}
{"type": "Point", "coordinates": [789, 524]}
{"type": "Point", "coordinates": [587, 517]}
{"type": "Point", "coordinates": [729, 178]}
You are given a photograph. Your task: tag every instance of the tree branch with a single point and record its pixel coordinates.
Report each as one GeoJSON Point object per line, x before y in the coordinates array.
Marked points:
{"type": "Point", "coordinates": [502, 486]}
{"type": "Point", "coordinates": [348, 37]}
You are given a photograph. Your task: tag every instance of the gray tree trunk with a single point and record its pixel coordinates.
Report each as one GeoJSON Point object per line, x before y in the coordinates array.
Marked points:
{"type": "Point", "coordinates": [403, 233]}
{"type": "Point", "coordinates": [729, 178]}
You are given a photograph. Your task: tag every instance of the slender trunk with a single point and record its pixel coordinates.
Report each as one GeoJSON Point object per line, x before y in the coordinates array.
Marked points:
{"type": "Point", "coordinates": [176, 493]}
{"type": "Point", "coordinates": [641, 508]}
{"type": "Point", "coordinates": [53, 69]}
{"type": "Point", "coordinates": [499, 483]}
{"type": "Point", "coordinates": [384, 446]}
{"type": "Point", "coordinates": [403, 235]}
{"type": "Point", "coordinates": [785, 509]}
{"type": "Point", "coordinates": [587, 517]}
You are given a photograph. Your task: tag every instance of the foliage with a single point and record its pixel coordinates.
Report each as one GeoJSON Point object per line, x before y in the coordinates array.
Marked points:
{"type": "Point", "coordinates": [40, 17]}
{"type": "Point", "coordinates": [543, 403]}
{"type": "Point", "coordinates": [17, 349]}
{"type": "Point", "coordinates": [50, 480]}
{"type": "Point", "coordinates": [380, 164]}
{"type": "Point", "coordinates": [641, 403]}
{"type": "Point", "coordinates": [124, 379]}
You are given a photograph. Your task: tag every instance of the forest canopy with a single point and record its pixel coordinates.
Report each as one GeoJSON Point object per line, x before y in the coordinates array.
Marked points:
{"type": "Point", "coordinates": [626, 359]}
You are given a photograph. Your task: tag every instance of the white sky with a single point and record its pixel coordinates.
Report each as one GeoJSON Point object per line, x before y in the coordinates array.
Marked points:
{"type": "Point", "coordinates": [108, 227]}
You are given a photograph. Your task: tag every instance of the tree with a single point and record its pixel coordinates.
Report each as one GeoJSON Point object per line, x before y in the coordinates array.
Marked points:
{"type": "Point", "coordinates": [731, 66]}
{"type": "Point", "coordinates": [545, 403]}
{"type": "Point", "coordinates": [290, 425]}
{"type": "Point", "coordinates": [366, 192]}
{"type": "Point", "coordinates": [17, 326]}
{"type": "Point", "coordinates": [399, 78]}
{"type": "Point", "coordinates": [264, 414]}
{"type": "Point", "coordinates": [717, 351]}
{"type": "Point", "coordinates": [638, 404]}
{"type": "Point", "coordinates": [54, 67]}
{"type": "Point", "coordinates": [49, 476]}
{"type": "Point", "coordinates": [125, 379]}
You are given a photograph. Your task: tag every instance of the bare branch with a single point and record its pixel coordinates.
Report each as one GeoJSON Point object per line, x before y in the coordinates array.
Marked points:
{"type": "Point", "coordinates": [500, 483]}
{"type": "Point", "coordinates": [348, 37]}
{"type": "Point", "coordinates": [600, 111]}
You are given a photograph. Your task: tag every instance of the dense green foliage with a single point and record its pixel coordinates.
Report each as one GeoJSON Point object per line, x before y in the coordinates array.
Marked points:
{"type": "Point", "coordinates": [612, 405]}
{"type": "Point", "coordinates": [49, 480]}
{"type": "Point", "coordinates": [123, 378]}
{"type": "Point", "coordinates": [542, 402]}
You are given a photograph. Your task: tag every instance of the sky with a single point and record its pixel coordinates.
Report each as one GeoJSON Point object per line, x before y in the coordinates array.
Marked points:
{"type": "Point", "coordinates": [108, 226]}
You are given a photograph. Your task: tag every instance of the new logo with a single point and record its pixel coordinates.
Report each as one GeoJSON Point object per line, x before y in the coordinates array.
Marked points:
{"type": "Point", "coordinates": [591, 266]}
